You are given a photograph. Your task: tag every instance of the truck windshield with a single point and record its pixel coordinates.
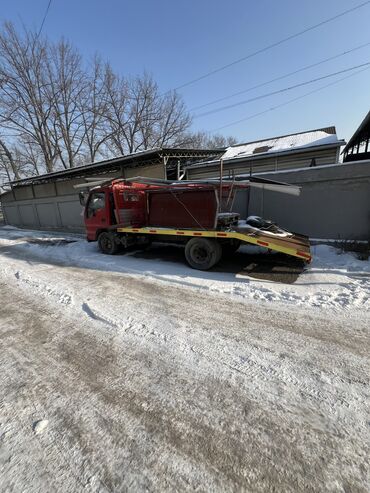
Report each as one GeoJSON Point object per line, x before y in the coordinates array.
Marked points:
{"type": "Point", "coordinates": [96, 202]}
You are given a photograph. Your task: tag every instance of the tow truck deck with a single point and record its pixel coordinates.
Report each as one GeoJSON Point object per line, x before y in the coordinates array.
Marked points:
{"type": "Point", "coordinates": [291, 244]}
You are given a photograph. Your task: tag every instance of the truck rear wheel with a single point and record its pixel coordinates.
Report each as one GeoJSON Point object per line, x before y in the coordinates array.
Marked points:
{"type": "Point", "coordinates": [202, 253]}
{"type": "Point", "coordinates": [107, 243]}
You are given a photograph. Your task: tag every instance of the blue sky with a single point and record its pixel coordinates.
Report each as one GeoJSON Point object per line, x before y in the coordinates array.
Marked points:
{"type": "Point", "coordinates": [177, 41]}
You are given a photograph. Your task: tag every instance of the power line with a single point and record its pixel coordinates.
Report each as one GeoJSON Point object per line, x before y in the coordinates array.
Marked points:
{"type": "Point", "coordinates": [280, 91]}
{"type": "Point", "coordinates": [44, 19]}
{"type": "Point", "coordinates": [280, 77]}
{"type": "Point", "coordinates": [273, 45]}
{"type": "Point", "coordinates": [290, 101]}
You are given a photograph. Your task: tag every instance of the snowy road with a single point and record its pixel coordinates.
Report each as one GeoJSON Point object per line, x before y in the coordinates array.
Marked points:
{"type": "Point", "coordinates": [146, 383]}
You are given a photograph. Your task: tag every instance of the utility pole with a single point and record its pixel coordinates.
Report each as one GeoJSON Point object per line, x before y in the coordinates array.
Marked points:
{"type": "Point", "coordinates": [221, 176]}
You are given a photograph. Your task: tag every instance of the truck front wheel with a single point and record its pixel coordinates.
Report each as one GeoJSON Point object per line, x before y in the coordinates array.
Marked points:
{"type": "Point", "coordinates": [202, 253]}
{"type": "Point", "coordinates": [107, 243]}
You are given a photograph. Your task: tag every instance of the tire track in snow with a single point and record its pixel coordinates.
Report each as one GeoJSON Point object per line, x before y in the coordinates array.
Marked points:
{"type": "Point", "coordinates": [21, 356]}
{"type": "Point", "coordinates": [179, 351]}
{"type": "Point", "coordinates": [254, 367]}
{"type": "Point", "coordinates": [43, 289]}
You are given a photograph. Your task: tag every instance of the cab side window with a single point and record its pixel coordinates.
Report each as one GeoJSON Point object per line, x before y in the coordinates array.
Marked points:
{"type": "Point", "coordinates": [96, 202]}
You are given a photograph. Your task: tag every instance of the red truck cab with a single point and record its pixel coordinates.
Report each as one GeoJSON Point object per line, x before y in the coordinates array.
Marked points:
{"type": "Point", "coordinates": [118, 203]}
{"type": "Point", "coordinates": [98, 212]}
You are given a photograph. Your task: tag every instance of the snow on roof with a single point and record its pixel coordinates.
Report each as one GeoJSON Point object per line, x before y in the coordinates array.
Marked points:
{"type": "Point", "coordinates": [311, 138]}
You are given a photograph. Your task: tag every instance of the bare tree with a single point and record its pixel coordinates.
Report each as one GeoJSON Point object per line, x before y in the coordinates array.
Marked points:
{"type": "Point", "coordinates": [173, 120]}
{"type": "Point", "coordinates": [25, 105]}
{"type": "Point", "coordinates": [67, 84]}
{"type": "Point", "coordinates": [62, 113]}
{"type": "Point", "coordinates": [93, 105]}
{"type": "Point", "coordinates": [140, 118]}
{"type": "Point", "coordinates": [8, 163]}
{"type": "Point", "coordinates": [29, 156]}
{"type": "Point", "coordinates": [18, 160]}
{"type": "Point", "coordinates": [203, 140]}
{"type": "Point", "coordinates": [143, 113]}
{"type": "Point", "coordinates": [117, 100]}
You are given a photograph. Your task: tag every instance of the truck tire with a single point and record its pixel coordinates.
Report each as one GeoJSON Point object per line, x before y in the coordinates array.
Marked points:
{"type": "Point", "coordinates": [107, 243]}
{"type": "Point", "coordinates": [202, 253]}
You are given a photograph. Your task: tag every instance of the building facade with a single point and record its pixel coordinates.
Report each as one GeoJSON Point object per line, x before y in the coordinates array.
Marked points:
{"type": "Point", "coordinates": [51, 201]}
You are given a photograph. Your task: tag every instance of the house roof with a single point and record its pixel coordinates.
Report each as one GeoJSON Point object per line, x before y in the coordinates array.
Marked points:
{"type": "Point", "coordinates": [302, 140]}
{"type": "Point", "coordinates": [362, 132]}
{"type": "Point", "coordinates": [284, 144]}
{"type": "Point", "coordinates": [143, 158]}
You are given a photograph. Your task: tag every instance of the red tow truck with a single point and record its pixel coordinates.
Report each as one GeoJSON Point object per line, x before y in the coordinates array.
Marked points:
{"type": "Point", "coordinates": [123, 213]}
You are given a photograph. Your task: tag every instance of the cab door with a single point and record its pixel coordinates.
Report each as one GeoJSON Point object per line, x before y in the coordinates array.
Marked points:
{"type": "Point", "coordinates": [96, 214]}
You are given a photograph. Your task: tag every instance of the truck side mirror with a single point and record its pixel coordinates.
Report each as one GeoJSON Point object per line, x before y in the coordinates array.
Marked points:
{"type": "Point", "coordinates": [82, 196]}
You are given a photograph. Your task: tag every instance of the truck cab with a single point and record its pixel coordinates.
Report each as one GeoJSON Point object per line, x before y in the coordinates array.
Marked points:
{"type": "Point", "coordinates": [112, 205]}
{"type": "Point", "coordinates": [98, 212]}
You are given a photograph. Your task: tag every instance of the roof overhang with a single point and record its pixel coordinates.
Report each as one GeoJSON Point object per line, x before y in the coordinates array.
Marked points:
{"type": "Point", "coordinates": [358, 136]}
{"type": "Point", "coordinates": [138, 159]}
{"type": "Point", "coordinates": [254, 157]}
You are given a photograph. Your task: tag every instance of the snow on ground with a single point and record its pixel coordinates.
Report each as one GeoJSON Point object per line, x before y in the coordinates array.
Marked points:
{"type": "Point", "coordinates": [137, 373]}
{"type": "Point", "coordinates": [333, 280]}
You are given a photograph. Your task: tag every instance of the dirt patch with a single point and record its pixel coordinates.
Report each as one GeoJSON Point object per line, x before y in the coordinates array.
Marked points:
{"type": "Point", "coordinates": [49, 242]}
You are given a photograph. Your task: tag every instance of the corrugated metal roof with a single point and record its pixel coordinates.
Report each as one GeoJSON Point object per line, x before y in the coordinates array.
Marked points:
{"type": "Point", "coordinates": [292, 144]}
{"type": "Point", "coordinates": [141, 158]}
{"type": "Point", "coordinates": [363, 129]}
{"type": "Point", "coordinates": [311, 138]}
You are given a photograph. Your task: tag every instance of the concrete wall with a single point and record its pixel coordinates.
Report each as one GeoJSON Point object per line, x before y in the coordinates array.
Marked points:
{"type": "Point", "coordinates": [59, 213]}
{"type": "Point", "coordinates": [334, 202]}
{"type": "Point", "coordinates": [56, 205]}
{"type": "Point", "coordinates": [48, 206]}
